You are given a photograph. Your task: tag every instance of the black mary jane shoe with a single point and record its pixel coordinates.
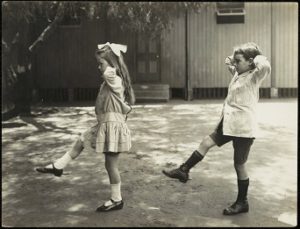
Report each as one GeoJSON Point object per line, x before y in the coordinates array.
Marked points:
{"type": "Point", "coordinates": [53, 170]}
{"type": "Point", "coordinates": [116, 205]}
{"type": "Point", "coordinates": [237, 208]}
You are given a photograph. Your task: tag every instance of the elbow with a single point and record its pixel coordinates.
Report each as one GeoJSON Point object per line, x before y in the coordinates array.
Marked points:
{"type": "Point", "coordinates": [267, 67]}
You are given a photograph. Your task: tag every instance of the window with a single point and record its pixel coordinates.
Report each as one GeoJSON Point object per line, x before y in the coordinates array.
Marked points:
{"type": "Point", "coordinates": [230, 12]}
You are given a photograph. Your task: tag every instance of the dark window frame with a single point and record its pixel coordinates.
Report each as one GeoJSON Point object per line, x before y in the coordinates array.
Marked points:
{"type": "Point", "coordinates": [230, 12]}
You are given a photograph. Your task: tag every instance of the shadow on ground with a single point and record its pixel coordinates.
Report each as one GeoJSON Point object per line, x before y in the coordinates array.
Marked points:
{"type": "Point", "coordinates": [163, 135]}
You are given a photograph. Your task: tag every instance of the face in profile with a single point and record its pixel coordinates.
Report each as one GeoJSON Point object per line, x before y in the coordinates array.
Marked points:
{"type": "Point", "coordinates": [241, 64]}
{"type": "Point", "coordinates": [102, 63]}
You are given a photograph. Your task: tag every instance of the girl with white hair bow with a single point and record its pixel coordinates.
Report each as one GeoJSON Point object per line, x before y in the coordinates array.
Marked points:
{"type": "Point", "coordinates": [110, 135]}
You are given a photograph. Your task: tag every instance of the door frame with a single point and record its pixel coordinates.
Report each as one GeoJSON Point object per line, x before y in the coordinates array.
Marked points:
{"type": "Point", "coordinates": [137, 79]}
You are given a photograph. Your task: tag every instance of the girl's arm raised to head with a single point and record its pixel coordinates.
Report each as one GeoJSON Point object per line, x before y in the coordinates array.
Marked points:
{"type": "Point", "coordinates": [112, 80]}
{"type": "Point", "coordinates": [229, 63]}
{"type": "Point", "coordinates": [262, 67]}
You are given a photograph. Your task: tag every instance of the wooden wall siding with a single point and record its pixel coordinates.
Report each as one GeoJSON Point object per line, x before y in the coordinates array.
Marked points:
{"type": "Point", "coordinates": [285, 38]}
{"type": "Point", "coordinates": [46, 63]}
{"type": "Point", "coordinates": [66, 59]}
{"type": "Point", "coordinates": [173, 54]}
{"type": "Point", "coordinates": [209, 43]}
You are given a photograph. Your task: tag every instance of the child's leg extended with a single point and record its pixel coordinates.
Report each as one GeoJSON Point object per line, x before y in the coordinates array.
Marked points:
{"type": "Point", "coordinates": [77, 147]}
{"type": "Point", "coordinates": [215, 138]}
{"type": "Point", "coordinates": [74, 152]}
{"type": "Point", "coordinates": [241, 151]}
{"type": "Point", "coordinates": [57, 167]}
{"type": "Point", "coordinates": [181, 173]}
{"type": "Point", "coordinates": [205, 145]}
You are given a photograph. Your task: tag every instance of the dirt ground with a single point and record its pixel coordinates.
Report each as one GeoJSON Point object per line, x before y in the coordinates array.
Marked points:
{"type": "Point", "coordinates": [163, 136]}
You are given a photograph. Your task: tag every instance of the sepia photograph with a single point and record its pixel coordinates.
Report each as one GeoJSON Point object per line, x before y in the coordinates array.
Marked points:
{"type": "Point", "coordinates": [149, 114]}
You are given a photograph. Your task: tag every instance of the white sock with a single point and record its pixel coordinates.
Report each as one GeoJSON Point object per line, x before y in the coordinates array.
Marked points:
{"type": "Point", "coordinates": [63, 161]}
{"type": "Point", "coordinates": [115, 193]}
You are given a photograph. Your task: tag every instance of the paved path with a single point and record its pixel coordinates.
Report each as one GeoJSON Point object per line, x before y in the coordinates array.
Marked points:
{"type": "Point", "coordinates": [163, 135]}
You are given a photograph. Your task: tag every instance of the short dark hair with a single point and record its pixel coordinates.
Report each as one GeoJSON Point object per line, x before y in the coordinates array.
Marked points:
{"type": "Point", "coordinates": [248, 50]}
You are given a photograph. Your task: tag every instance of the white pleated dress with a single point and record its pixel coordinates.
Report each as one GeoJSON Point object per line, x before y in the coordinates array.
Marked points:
{"type": "Point", "coordinates": [111, 133]}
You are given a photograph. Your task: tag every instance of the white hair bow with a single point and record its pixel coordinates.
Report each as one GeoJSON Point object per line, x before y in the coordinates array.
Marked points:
{"type": "Point", "coordinates": [116, 48]}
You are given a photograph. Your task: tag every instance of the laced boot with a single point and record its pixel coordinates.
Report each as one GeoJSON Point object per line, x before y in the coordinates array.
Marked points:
{"type": "Point", "coordinates": [182, 173]}
{"type": "Point", "coordinates": [241, 205]}
{"type": "Point", "coordinates": [237, 207]}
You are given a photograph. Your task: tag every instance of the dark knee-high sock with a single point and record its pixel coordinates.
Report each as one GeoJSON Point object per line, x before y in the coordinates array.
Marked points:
{"type": "Point", "coordinates": [192, 161]}
{"type": "Point", "coordinates": [242, 190]}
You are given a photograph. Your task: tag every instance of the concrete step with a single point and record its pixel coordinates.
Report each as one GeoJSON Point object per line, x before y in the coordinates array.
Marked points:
{"type": "Point", "coordinates": [152, 92]}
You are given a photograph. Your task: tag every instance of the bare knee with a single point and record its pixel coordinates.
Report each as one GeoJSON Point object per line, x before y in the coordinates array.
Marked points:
{"type": "Point", "coordinates": [77, 148]}
{"type": "Point", "coordinates": [241, 170]}
{"type": "Point", "coordinates": [240, 165]}
{"type": "Point", "coordinates": [206, 144]}
{"type": "Point", "coordinates": [78, 144]}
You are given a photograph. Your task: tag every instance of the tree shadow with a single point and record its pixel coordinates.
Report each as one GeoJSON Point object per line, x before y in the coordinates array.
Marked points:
{"type": "Point", "coordinates": [13, 125]}
{"type": "Point", "coordinates": [162, 137]}
{"type": "Point", "coordinates": [33, 122]}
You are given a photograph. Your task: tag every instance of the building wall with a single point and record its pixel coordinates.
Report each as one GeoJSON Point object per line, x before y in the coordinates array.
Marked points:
{"type": "Point", "coordinates": [273, 26]}
{"type": "Point", "coordinates": [210, 43]}
{"type": "Point", "coordinates": [173, 64]}
{"type": "Point", "coordinates": [66, 60]}
{"type": "Point", "coordinates": [285, 44]}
